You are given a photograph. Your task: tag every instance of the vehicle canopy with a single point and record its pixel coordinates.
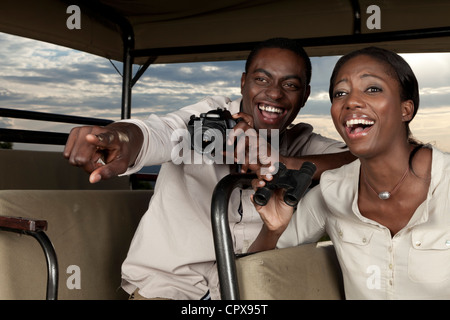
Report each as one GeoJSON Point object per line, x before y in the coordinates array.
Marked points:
{"type": "Point", "coordinates": [144, 32]}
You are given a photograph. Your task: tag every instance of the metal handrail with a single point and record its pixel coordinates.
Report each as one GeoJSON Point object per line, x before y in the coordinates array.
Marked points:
{"type": "Point", "coordinates": [223, 243]}
{"type": "Point", "coordinates": [42, 137]}
{"type": "Point", "coordinates": [36, 229]}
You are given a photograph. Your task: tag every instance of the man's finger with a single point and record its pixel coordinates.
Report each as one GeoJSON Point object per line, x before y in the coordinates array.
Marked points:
{"type": "Point", "coordinates": [107, 168]}
{"type": "Point", "coordinates": [245, 118]}
{"type": "Point", "coordinates": [102, 139]}
{"type": "Point", "coordinates": [71, 142]}
{"type": "Point", "coordinates": [103, 172]}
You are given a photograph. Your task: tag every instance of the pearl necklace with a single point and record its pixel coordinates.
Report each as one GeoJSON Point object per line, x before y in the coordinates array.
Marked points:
{"type": "Point", "coordinates": [384, 195]}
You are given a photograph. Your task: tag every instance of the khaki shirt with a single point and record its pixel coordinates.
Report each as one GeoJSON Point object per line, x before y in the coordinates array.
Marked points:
{"type": "Point", "coordinates": [172, 253]}
{"type": "Point", "coordinates": [413, 264]}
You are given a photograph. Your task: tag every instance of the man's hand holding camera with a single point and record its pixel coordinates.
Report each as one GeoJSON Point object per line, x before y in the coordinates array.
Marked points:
{"type": "Point", "coordinates": [236, 139]}
{"type": "Point", "coordinates": [252, 151]}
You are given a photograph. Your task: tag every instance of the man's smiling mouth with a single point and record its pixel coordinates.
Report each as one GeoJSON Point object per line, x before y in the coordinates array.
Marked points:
{"type": "Point", "coordinates": [272, 109]}
{"type": "Point", "coordinates": [270, 113]}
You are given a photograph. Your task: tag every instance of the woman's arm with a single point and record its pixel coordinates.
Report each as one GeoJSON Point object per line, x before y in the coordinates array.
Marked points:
{"type": "Point", "coordinates": [323, 162]}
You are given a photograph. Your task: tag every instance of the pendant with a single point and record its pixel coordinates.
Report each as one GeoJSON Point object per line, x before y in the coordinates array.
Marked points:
{"type": "Point", "coordinates": [384, 195]}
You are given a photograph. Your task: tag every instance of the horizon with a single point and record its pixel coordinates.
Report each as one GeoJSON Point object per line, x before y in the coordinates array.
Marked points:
{"type": "Point", "coordinates": [43, 77]}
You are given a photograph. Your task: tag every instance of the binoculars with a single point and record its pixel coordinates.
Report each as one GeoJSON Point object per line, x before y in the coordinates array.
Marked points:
{"type": "Point", "coordinates": [295, 183]}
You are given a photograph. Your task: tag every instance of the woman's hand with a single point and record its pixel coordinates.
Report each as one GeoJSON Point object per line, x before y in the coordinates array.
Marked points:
{"type": "Point", "coordinates": [276, 215]}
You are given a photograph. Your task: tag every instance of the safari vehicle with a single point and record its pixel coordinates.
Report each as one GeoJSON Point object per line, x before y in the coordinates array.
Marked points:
{"type": "Point", "coordinates": [42, 197]}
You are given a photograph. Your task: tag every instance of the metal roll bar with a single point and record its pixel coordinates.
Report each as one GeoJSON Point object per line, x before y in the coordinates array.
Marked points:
{"type": "Point", "coordinates": [223, 243]}
{"type": "Point", "coordinates": [36, 229]}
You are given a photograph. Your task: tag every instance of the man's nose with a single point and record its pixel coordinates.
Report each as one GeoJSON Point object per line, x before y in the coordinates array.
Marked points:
{"type": "Point", "coordinates": [274, 92]}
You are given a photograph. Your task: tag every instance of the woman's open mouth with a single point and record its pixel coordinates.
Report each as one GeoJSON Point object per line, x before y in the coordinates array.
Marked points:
{"type": "Point", "coordinates": [356, 127]}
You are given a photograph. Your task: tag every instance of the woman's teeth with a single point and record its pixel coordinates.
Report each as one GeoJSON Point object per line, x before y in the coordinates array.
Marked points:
{"type": "Point", "coordinates": [356, 126]}
{"type": "Point", "coordinates": [355, 122]}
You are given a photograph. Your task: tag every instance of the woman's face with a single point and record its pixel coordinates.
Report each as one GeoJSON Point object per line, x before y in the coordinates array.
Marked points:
{"type": "Point", "coordinates": [366, 108]}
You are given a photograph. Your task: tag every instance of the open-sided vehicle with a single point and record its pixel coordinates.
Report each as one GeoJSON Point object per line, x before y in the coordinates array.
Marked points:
{"type": "Point", "coordinates": [92, 239]}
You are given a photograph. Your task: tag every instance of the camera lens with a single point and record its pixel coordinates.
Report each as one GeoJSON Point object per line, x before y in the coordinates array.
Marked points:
{"type": "Point", "coordinates": [209, 131]}
{"type": "Point", "coordinates": [201, 140]}
{"type": "Point", "coordinates": [207, 140]}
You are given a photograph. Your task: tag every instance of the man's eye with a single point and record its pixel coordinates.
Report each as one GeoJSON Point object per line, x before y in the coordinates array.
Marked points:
{"type": "Point", "coordinates": [374, 89]}
{"type": "Point", "coordinates": [291, 86]}
{"type": "Point", "coordinates": [260, 79]}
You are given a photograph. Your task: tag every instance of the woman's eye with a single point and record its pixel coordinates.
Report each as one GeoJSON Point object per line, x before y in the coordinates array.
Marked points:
{"type": "Point", "coordinates": [338, 94]}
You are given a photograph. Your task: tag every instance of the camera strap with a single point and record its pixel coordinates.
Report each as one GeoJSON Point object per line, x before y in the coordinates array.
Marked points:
{"type": "Point", "coordinates": [240, 211]}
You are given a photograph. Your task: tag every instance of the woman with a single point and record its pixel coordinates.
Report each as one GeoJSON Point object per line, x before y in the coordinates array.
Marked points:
{"type": "Point", "coordinates": [388, 212]}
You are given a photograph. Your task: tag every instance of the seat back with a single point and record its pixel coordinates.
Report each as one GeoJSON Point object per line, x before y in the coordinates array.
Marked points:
{"type": "Point", "coordinates": [306, 272]}
{"type": "Point", "coordinates": [45, 170]}
{"type": "Point", "coordinates": [91, 231]}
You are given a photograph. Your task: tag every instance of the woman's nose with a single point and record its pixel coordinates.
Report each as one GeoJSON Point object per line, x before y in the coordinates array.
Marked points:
{"type": "Point", "coordinates": [353, 101]}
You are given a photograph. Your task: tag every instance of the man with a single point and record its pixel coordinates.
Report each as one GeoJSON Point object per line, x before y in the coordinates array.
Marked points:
{"type": "Point", "coordinates": [172, 253]}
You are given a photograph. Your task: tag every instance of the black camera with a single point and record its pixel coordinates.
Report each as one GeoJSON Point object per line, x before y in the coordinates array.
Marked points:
{"type": "Point", "coordinates": [296, 182]}
{"type": "Point", "coordinates": [209, 131]}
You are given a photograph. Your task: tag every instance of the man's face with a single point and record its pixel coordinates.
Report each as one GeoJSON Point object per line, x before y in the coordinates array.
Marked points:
{"type": "Point", "coordinates": [274, 88]}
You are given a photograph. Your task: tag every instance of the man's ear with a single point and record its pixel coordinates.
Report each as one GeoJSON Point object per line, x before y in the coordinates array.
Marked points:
{"type": "Point", "coordinates": [243, 81]}
{"type": "Point", "coordinates": [407, 110]}
{"type": "Point", "coordinates": [306, 95]}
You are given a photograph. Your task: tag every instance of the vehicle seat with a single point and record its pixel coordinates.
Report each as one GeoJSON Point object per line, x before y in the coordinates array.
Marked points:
{"type": "Point", "coordinates": [306, 272]}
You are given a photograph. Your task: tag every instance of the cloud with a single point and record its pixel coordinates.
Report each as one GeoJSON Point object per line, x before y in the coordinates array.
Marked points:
{"type": "Point", "coordinates": [431, 125]}
{"type": "Point", "coordinates": [431, 69]}
{"type": "Point", "coordinates": [42, 77]}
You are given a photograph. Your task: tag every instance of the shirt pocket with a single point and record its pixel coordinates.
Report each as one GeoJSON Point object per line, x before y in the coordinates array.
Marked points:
{"type": "Point", "coordinates": [429, 255]}
{"type": "Point", "coordinates": [352, 242]}
{"type": "Point", "coordinates": [353, 233]}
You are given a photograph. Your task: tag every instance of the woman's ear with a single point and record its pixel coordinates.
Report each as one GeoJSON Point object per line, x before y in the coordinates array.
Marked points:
{"type": "Point", "coordinates": [407, 110]}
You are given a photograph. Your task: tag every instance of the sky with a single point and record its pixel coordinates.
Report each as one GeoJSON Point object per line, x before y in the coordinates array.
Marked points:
{"type": "Point", "coordinates": [43, 77]}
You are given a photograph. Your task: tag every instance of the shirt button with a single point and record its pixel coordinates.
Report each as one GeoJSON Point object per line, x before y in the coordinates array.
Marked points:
{"type": "Point", "coordinates": [390, 266]}
{"type": "Point", "coordinates": [418, 243]}
{"type": "Point", "coordinates": [364, 240]}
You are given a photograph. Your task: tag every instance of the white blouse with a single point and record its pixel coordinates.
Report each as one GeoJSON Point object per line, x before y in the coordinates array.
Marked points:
{"type": "Point", "coordinates": [413, 264]}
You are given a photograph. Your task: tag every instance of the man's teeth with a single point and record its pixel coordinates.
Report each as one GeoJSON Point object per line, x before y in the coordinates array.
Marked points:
{"type": "Point", "coordinates": [353, 122]}
{"type": "Point", "coordinates": [270, 109]}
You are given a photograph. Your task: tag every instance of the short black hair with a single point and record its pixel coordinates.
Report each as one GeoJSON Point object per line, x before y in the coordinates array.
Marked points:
{"type": "Point", "coordinates": [282, 43]}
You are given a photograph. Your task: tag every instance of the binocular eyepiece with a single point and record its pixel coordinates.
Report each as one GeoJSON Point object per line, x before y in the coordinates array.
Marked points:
{"type": "Point", "coordinates": [295, 183]}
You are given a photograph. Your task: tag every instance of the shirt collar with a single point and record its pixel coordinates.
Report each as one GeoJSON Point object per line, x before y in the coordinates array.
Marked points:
{"type": "Point", "coordinates": [235, 106]}
{"type": "Point", "coordinates": [340, 189]}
